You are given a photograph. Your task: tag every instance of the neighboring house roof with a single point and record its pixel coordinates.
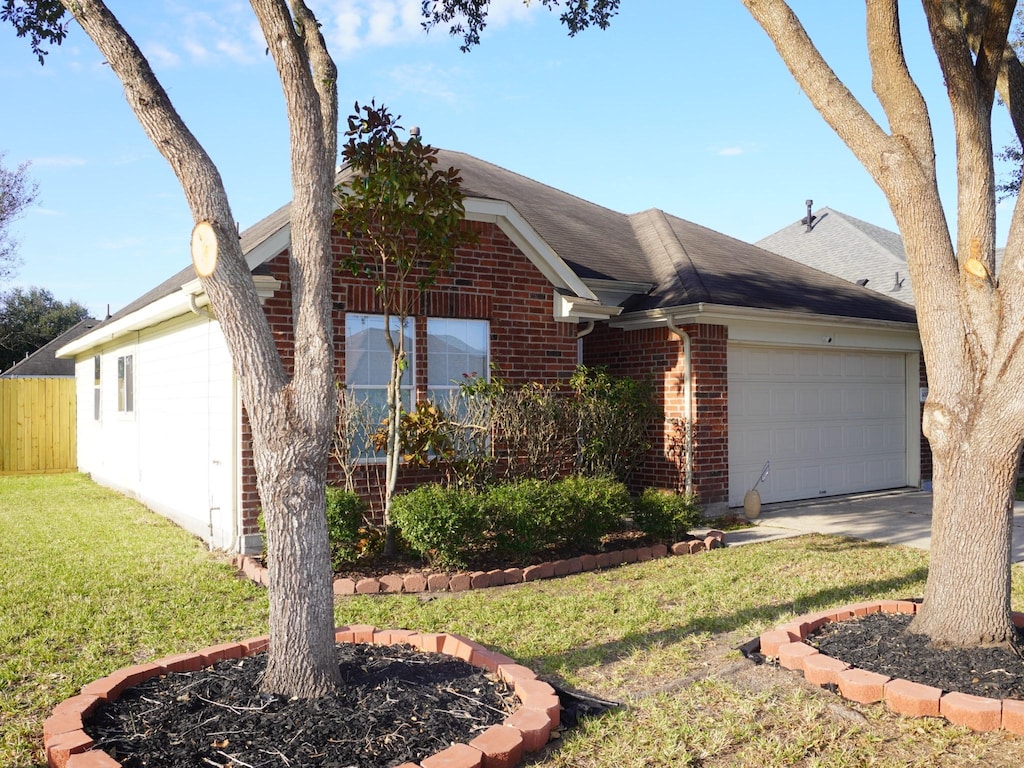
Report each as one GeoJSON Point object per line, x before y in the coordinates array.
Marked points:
{"type": "Point", "coordinates": [649, 262]}
{"type": "Point", "coordinates": [849, 248]}
{"type": "Point", "coordinates": [43, 363]}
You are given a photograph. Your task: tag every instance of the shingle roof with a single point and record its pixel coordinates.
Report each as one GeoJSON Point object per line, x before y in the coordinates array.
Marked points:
{"type": "Point", "coordinates": [848, 248]}
{"type": "Point", "coordinates": [687, 263]}
{"type": "Point", "coordinates": [43, 363]}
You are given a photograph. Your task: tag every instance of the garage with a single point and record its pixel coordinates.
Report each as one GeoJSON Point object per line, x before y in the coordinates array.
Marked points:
{"type": "Point", "coordinates": [830, 421]}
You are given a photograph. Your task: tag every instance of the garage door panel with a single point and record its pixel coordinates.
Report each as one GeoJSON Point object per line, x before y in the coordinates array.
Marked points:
{"type": "Point", "coordinates": [830, 421]}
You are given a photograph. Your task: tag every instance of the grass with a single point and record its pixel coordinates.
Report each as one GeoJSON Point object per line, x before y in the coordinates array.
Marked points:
{"type": "Point", "coordinates": [92, 582]}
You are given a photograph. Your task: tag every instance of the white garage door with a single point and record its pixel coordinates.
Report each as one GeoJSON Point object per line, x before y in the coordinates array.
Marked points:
{"type": "Point", "coordinates": [830, 422]}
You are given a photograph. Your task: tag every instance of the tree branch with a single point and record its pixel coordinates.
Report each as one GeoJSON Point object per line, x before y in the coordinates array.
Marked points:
{"type": "Point", "coordinates": [230, 287]}
{"type": "Point", "coordinates": [897, 92]}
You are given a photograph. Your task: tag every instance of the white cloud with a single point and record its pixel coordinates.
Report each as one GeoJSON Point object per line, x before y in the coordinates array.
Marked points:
{"type": "Point", "coordinates": [161, 56]}
{"type": "Point", "coordinates": [350, 25]}
{"type": "Point", "coordinates": [730, 151]}
{"type": "Point", "coordinates": [426, 80]}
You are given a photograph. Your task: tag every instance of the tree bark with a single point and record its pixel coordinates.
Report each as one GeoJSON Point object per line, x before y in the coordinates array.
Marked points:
{"type": "Point", "coordinates": [291, 416]}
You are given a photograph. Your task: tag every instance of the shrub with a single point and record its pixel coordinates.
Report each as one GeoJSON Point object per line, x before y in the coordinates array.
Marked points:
{"type": "Point", "coordinates": [522, 516]}
{"type": "Point", "coordinates": [589, 508]}
{"type": "Point", "coordinates": [666, 516]}
{"type": "Point", "coordinates": [444, 525]}
{"type": "Point", "coordinates": [345, 513]}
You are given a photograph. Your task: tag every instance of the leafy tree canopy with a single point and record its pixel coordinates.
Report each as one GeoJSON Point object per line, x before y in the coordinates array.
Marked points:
{"type": "Point", "coordinates": [41, 21]}
{"type": "Point", "coordinates": [467, 18]}
{"type": "Point", "coordinates": [31, 318]}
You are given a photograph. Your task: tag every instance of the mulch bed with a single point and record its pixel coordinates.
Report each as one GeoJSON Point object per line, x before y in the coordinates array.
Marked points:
{"type": "Point", "coordinates": [880, 643]}
{"type": "Point", "coordinates": [398, 704]}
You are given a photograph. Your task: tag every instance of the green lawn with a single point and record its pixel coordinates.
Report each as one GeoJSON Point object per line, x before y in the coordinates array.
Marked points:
{"type": "Point", "coordinates": [92, 582]}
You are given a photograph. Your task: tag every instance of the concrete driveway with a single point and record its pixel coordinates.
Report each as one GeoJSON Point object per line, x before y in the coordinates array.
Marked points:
{"type": "Point", "coordinates": [894, 517]}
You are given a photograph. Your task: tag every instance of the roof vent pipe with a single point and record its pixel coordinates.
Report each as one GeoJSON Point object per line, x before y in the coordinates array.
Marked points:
{"type": "Point", "coordinates": [810, 219]}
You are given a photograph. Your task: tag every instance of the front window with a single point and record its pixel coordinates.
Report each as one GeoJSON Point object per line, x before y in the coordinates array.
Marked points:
{"type": "Point", "coordinates": [368, 363]}
{"type": "Point", "coordinates": [125, 385]}
{"type": "Point", "coordinates": [456, 350]}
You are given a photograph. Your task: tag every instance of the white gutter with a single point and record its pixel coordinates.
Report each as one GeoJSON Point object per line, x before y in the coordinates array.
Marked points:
{"type": "Point", "coordinates": [722, 314]}
{"type": "Point", "coordinates": [687, 398]}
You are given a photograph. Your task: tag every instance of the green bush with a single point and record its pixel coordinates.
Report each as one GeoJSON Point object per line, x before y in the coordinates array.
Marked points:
{"type": "Point", "coordinates": [665, 516]}
{"type": "Point", "coordinates": [444, 525]}
{"type": "Point", "coordinates": [588, 508]}
{"type": "Point", "coordinates": [522, 516]}
{"type": "Point", "coordinates": [345, 513]}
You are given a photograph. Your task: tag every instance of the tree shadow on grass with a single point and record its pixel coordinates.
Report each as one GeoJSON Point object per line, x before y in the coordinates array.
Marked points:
{"type": "Point", "coordinates": [769, 613]}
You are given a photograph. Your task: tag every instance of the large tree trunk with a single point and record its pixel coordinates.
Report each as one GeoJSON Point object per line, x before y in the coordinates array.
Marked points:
{"type": "Point", "coordinates": [967, 596]}
{"type": "Point", "coordinates": [291, 482]}
{"type": "Point", "coordinates": [291, 415]}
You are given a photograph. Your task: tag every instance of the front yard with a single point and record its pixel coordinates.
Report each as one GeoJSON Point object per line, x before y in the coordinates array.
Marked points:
{"type": "Point", "coordinates": [92, 582]}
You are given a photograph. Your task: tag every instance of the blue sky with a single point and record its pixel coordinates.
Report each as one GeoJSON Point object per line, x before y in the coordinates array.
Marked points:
{"type": "Point", "coordinates": [680, 105]}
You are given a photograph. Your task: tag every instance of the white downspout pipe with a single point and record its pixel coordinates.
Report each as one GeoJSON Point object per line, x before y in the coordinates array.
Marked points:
{"type": "Point", "coordinates": [687, 399]}
{"type": "Point", "coordinates": [586, 330]}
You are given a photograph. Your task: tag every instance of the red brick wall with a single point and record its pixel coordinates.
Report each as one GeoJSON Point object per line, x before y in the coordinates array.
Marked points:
{"type": "Point", "coordinates": [658, 353]}
{"type": "Point", "coordinates": [493, 280]}
{"type": "Point", "coordinates": [926, 448]}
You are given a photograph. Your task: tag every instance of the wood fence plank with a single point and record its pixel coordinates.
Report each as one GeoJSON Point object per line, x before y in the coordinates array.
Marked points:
{"type": "Point", "coordinates": [37, 425]}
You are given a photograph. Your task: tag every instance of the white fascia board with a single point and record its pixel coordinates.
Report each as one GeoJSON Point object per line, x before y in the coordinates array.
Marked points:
{"type": "Point", "coordinates": [767, 326]}
{"type": "Point", "coordinates": [270, 247]}
{"type": "Point", "coordinates": [573, 308]}
{"type": "Point", "coordinates": [526, 238]}
{"type": "Point", "coordinates": [160, 310]}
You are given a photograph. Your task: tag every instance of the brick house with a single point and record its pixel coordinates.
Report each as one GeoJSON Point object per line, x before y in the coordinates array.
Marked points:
{"type": "Point", "coordinates": [765, 357]}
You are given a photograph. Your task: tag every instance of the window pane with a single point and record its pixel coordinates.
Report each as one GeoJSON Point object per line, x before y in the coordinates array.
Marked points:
{"type": "Point", "coordinates": [367, 357]}
{"type": "Point", "coordinates": [456, 348]}
{"type": "Point", "coordinates": [125, 385]}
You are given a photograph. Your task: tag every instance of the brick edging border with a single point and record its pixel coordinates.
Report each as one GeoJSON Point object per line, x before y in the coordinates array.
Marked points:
{"type": "Point", "coordinates": [528, 729]}
{"type": "Point", "coordinates": [979, 713]}
{"type": "Point", "coordinates": [251, 568]}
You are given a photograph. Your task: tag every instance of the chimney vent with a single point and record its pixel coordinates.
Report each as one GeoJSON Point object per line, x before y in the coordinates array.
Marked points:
{"type": "Point", "coordinates": [809, 221]}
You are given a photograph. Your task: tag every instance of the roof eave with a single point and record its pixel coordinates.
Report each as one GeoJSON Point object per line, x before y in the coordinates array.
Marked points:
{"type": "Point", "coordinates": [721, 314]}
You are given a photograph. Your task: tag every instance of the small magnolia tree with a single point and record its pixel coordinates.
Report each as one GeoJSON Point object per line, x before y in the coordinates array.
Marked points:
{"type": "Point", "coordinates": [404, 218]}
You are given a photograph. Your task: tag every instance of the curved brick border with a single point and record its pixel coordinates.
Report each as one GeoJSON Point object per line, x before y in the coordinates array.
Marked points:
{"type": "Point", "coordinates": [786, 645]}
{"type": "Point", "coordinates": [527, 730]}
{"type": "Point", "coordinates": [462, 581]}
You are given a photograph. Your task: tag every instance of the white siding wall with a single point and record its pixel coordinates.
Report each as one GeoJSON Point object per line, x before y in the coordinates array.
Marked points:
{"type": "Point", "coordinates": [176, 452]}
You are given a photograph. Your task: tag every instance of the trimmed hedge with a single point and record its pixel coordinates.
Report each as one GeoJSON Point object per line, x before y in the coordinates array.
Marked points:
{"type": "Point", "coordinates": [449, 525]}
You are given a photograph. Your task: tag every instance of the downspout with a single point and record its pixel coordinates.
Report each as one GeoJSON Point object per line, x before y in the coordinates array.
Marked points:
{"type": "Point", "coordinates": [687, 399]}
{"type": "Point", "coordinates": [585, 331]}
{"type": "Point", "coordinates": [196, 309]}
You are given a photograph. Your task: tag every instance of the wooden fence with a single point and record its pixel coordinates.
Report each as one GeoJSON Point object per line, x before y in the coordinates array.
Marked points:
{"type": "Point", "coordinates": [37, 426]}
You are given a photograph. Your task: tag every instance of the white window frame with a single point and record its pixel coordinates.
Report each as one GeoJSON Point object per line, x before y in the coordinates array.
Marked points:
{"type": "Point", "coordinates": [126, 384]}
{"type": "Point", "coordinates": [97, 388]}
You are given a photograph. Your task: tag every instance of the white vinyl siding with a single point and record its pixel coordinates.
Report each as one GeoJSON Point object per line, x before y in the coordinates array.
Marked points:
{"type": "Point", "coordinates": [178, 454]}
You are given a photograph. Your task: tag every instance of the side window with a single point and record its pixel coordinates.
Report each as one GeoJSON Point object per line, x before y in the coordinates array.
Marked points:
{"type": "Point", "coordinates": [96, 390]}
{"type": "Point", "coordinates": [368, 362]}
{"type": "Point", "coordinates": [125, 385]}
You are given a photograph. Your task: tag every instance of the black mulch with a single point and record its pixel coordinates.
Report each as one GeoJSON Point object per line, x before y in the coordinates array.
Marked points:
{"type": "Point", "coordinates": [880, 643]}
{"type": "Point", "coordinates": [397, 704]}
